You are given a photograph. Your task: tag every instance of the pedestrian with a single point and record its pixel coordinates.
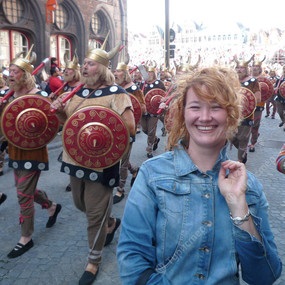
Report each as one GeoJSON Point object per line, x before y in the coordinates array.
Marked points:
{"type": "Point", "coordinates": [149, 121]}
{"type": "Point", "coordinates": [270, 103]}
{"type": "Point", "coordinates": [256, 72]}
{"type": "Point", "coordinates": [201, 217]}
{"type": "Point", "coordinates": [241, 139]}
{"type": "Point", "coordinates": [280, 98]}
{"type": "Point", "coordinates": [123, 79]}
{"type": "Point", "coordinates": [28, 163]}
{"type": "Point", "coordinates": [92, 189]}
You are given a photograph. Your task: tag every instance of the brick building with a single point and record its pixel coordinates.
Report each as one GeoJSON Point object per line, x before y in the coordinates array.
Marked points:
{"type": "Point", "coordinates": [58, 27]}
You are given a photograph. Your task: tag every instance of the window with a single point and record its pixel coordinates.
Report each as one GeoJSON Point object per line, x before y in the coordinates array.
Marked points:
{"type": "Point", "coordinates": [96, 23]}
{"type": "Point", "coordinates": [19, 43]}
{"type": "Point", "coordinates": [59, 45]}
{"type": "Point", "coordinates": [13, 10]}
{"type": "Point", "coordinates": [61, 17]}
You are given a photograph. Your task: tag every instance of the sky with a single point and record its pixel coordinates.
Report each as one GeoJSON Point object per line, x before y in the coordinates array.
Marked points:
{"type": "Point", "coordinates": [254, 14]}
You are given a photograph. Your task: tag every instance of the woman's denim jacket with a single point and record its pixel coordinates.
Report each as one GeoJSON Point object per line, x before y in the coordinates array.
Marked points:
{"type": "Point", "coordinates": [177, 229]}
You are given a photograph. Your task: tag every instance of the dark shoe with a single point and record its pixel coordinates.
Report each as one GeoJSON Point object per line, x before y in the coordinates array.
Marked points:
{"type": "Point", "coordinates": [244, 160]}
{"type": "Point", "coordinates": [51, 220]}
{"type": "Point", "coordinates": [20, 249]}
{"type": "Point", "coordinates": [68, 188]}
{"type": "Point", "coordinates": [281, 124]}
{"type": "Point", "coordinates": [252, 149]}
{"type": "Point", "coordinates": [134, 177]}
{"type": "Point", "coordinates": [267, 115]}
{"type": "Point", "coordinates": [118, 199]}
{"type": "Point", "coordinates": [149, 155]}
{"type": "Point", "coordinates": [110, 236]}
{"type": "Point", "coordinates": [3, 198]}
{"type": "Point", "coordinates": [155, 145]}
{"type": "Point", "coordinates": [88, 278]}
{"type": "Point", "coordinates": [272, 117]}
{"type": "Point", "coordinates": [1, 173]}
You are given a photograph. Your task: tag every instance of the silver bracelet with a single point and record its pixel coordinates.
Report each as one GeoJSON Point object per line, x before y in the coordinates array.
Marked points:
{"type": "Point", "coordinates": [238, 221]}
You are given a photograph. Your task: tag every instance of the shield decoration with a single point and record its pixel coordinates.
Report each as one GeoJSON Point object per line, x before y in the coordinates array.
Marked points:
{"type": "Point", "coordinates": [153, 99]}
{"type": "Point", "coordinates": [95, 137]}
{"type": "Point", "coordinates": [27, 122]}
{"type": "Point", "coordinates": [266, 88]}
{"type": "Point", "coordinates": [137, 108]}
{"type": "Point", "coordinates": [282, 89]}
{"type": "Point", "coordinates": [248, 102]}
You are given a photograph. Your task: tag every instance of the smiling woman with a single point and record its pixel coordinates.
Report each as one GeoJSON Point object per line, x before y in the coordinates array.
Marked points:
{"type": "Point", "coordinates": [198, 199]}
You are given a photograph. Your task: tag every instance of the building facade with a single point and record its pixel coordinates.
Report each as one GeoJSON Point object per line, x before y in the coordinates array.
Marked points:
{"type": "Point", "coordinates": [60, 27]}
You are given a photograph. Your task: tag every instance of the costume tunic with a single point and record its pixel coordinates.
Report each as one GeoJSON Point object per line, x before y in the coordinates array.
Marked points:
{"type": "Point", "coordinates": [113, 97]}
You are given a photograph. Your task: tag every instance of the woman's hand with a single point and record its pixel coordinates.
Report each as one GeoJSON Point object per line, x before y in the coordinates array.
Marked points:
{"type": "Point", "coordinates": [233, 183]}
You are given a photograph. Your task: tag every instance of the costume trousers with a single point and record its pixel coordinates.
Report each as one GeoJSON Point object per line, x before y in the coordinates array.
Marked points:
{"type": "Point", "coordinates": [124, 167]}
{"type": "Point", "coordinates": [281, 110]}
{"type": "Point", "coordinates": [2, 158]}
{"type": "Point", "coordinates": [27, 193]}
{"type": "Point", "coordinates": [255, 127]}
{"type": "Point", "coordinates": [240, 141]}
{"type": "Point", "coordinates": [95, 200]}
{"type": "Point", "coordinates": [273, 103]}
{"type": "Point", "coordinates": [149, 126]}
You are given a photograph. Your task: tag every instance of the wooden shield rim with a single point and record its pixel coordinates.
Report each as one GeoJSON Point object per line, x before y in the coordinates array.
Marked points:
{"type": "Point", "coordinates": [98, 108]}
{"type": "Point", "coordinates": [247, 112]}
{"type": "Point", "coordinates": [282, 89]}
{"type": "Point", "coordinates": [266, 80]}
{"type": "Point", "coordinates": [29, 142]}
{"type": "Point", "coordinates": [137, 108]}
{"type": "Point", "coordinates": [148, 97]}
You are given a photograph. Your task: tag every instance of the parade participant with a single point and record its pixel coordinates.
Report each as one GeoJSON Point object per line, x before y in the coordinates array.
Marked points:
{"type": "Point", "coordinates": [123, 79]}
{"type": "Point", "coordinates": [149, 121]}
{"type": "Point", "coordinates": [270, 103]}
{"type": "Point", "coordinates": [28, 164]}
{"type": "Point", "coordinates": [280, 160]}
{"type": "Point", "coordinates": [92, 189]}
{"type": "Point", "coordinates": [3, 197]}
{"type": "Point", "coordinates": [241, 139]}
{"type": "Point", "coordinates": [71, 78]}
{"type": "Point", "coordinates": [184, 221]}
{"type": "Point", "coordinates": [280, 101]}
{"type": "Point", "coordinates": [256, 71]}
{"type": "Point", "coordinates": [3, 143]}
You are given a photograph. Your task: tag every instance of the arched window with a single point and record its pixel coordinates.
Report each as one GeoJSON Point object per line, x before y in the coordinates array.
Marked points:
{"type": "Point", "coordinates": [13, 10]}
{"type": "Point", "coordinates": [11, 43]}
{"type": "Point", "coordinates": [61, 17]}
{"type": "Point", "coordinates": [59, 45]}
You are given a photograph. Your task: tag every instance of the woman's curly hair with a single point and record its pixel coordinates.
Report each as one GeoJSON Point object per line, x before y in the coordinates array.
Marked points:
{"type": "Point", "coordinates": [218, 84]}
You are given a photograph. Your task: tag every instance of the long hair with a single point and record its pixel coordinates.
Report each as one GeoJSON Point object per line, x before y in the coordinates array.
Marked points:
{"type": "Point", "coordinates": [209, 84]}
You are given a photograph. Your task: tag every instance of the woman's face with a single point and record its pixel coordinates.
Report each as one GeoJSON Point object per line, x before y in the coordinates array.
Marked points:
{"type": "Point", "coordinates": [205, 122]}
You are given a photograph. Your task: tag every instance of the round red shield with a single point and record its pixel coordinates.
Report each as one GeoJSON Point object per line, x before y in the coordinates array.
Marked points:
{"type": "Point", "coordinates": [137, 108]}
{"type": "Point", "coordinates": [153, 99]}
{"type": "Point", "coordinates": [266, 88]}
{"type": "Point", "coordinates": [282, 89]}
{"type": "Point", "coordinates": [95, 137]}
{"type": "Point", "coordinates": [27, 122]}
{"type": "Point", "coordinates": [248, 102]}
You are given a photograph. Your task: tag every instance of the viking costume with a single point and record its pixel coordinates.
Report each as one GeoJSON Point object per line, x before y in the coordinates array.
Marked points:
{"type": "Point", "coordinates": [28, 156]}
{"type": "Point", "coordinates": [280, 160]}
{"type": "Point", "coordinates": [90, 155]}
{"type": "Point", "coordinates": [241, 139]}
{"type": "Point", "coordinates": [280, 97]}
{"type": "Point", "coordinates": [150, 119]}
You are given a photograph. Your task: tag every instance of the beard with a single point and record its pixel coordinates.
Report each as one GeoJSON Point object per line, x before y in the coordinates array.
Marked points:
{"type": "Point", "coordinates": [17, 85]}
{"type": "Point", "coordinates": [91, 80]}
{"type": "Point", "coordinates": [68, 78]}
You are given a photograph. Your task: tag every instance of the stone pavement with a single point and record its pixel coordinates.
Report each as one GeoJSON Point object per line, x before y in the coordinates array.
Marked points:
{"type": "Point", "coordinates": [59, 254]}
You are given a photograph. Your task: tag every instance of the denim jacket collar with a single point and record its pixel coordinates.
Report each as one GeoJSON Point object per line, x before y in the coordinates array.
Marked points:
{"type": "Point", "coordinates": [184, 165]}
